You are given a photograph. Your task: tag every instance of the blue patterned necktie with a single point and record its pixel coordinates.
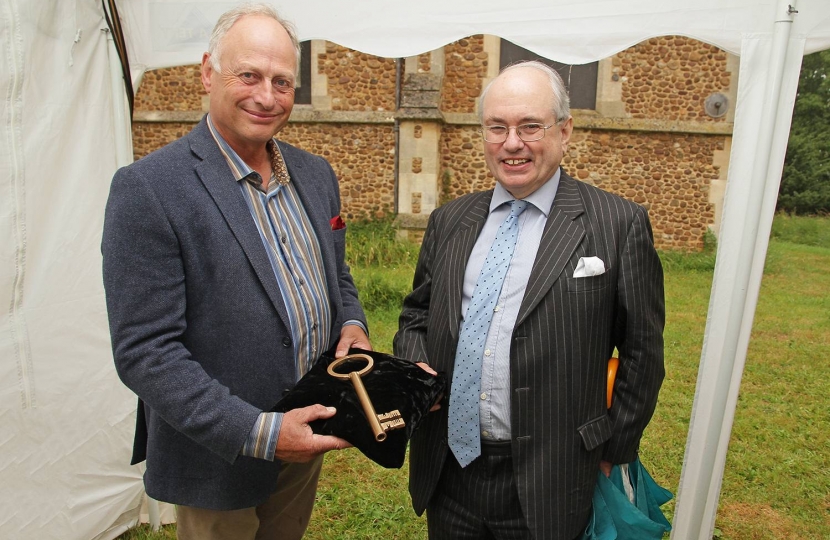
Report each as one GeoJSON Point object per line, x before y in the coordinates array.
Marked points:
{"type": "Point", "coordinates": [464, 427]}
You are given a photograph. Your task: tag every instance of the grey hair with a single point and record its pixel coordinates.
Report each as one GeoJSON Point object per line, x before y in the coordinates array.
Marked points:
{"type": "Point", "coordinates": [561, 104]}
{"type": "Point", "coordinates": [229, 18]}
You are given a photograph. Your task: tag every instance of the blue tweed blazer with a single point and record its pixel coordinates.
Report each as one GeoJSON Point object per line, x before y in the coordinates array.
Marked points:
{"type": "Point", "coordinates": [199, 328]}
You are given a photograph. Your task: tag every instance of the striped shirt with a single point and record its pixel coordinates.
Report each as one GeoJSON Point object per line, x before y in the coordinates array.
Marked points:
{"type": "Point", "coordinates": [294, 252]}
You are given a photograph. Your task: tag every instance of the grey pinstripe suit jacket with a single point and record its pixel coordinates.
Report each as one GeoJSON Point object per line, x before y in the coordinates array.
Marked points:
{"type": "Point", "coordinates": [199, 328]}
{"type": "Point", "coordinates": [566, 330]}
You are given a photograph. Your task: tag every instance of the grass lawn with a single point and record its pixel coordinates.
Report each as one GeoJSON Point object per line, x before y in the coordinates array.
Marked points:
{"type": "Point", "coordinates": [777, 480]}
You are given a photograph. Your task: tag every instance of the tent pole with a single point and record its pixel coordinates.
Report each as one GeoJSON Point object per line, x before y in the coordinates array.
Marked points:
{"type": "Point", "coordinates": [153, 513]}
{"type": "Point", "coordinates": [121, 127]}
{"type": "Point", "coordinates": [738, 271]}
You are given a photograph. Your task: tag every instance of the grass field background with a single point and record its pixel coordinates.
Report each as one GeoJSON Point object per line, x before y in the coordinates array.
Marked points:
{"type": "Point", "coordinates": [776, 484]}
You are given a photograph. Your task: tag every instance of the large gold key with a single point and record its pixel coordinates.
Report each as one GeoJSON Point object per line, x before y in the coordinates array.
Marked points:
{"type": "Point", "coordinates": [380, 423]}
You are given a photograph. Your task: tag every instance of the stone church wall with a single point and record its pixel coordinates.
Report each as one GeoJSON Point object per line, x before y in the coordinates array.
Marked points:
{"type": "Point", "coordinates": [650, 138]}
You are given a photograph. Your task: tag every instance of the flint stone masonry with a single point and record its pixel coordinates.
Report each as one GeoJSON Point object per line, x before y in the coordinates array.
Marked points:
{"type": "Point", "coordinates": [358, 81]}
{"type": "Point", "coordinates": [363, 158]}
{"type": "Point", "coordinates": [171, 89]}
{"type": "Point", "coordinates": [649, 140]}
{"type": "Point", "coordinates": [669, 78]}
{"type": "Point", "coordinates": [465, 68]}
{"type": "Point", "coordinates": [149, 136]}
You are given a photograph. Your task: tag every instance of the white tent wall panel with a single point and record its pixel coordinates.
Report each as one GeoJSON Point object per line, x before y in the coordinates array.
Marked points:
{"type": "Point", "coordinates": [12, 232]}
{"type": "Point", "coordinates": [66, 421]}
{"type": "Point", "coordinates": [757, 159]}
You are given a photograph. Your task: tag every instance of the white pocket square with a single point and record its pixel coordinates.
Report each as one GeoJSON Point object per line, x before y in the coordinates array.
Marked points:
{"type": "Point", "coordinates": [589, 266]}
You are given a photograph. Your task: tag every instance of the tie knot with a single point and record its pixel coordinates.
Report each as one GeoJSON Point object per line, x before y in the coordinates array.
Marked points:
{"type": "Point", "coordinates": [517, 206]}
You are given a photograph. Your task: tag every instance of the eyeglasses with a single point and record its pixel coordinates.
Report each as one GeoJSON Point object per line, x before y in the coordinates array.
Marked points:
{"type": "Point", "coordinates": [526, 132]}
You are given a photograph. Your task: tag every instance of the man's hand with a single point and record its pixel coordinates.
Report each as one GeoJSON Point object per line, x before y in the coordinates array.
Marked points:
{"type": "Point", "coordinates": [352, 336]}
{"type": "Point", "coordinates": [297, 443]}
{"type": "Point", "coordinates": [425, 367]}
{"type": "Point", "coordinates": [605, 467]}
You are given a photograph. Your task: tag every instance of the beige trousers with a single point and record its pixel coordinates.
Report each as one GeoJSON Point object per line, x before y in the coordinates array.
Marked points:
{"type": "Point", "coordinates": [284, 516]}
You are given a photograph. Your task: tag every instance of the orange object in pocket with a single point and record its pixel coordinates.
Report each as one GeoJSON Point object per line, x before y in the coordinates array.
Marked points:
{"type": "Point", "coordinates": [613, 364]}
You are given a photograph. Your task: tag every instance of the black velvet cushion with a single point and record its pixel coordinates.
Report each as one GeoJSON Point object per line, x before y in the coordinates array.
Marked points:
{"type": "Point", "coordinates": [393, 383]}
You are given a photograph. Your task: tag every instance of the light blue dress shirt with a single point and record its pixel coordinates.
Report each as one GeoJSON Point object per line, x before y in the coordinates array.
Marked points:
{"type": "Point", "coordinates": [495, 367]}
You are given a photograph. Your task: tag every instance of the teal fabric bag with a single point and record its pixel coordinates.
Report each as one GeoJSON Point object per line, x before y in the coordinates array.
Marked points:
{"type": "Point", "coordinates": [616, 518]}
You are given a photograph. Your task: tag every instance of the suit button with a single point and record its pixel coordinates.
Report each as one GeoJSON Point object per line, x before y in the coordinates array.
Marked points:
{"type": "Point", "coordinates": [286, 342]}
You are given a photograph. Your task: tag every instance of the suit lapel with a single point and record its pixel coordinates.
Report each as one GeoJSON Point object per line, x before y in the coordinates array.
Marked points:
{"type": "Point", "coordinates": [459, 246]}
{"type": "Point", "coordinates": [561, 236]}
{"type": "Point", "coordinates": [217, 178]}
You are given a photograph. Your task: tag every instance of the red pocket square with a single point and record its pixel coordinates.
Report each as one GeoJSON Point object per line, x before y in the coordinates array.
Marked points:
{"type": "Point", "coordinates": [337, 223]}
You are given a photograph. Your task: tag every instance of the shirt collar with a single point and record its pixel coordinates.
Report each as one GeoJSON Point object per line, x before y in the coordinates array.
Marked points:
{"type": "Point", "coordinates": [239, 168]}
{"type": "Point", "coordinates": [542, 198]}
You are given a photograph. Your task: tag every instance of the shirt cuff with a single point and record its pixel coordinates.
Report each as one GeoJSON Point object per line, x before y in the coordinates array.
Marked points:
{"type": "Point", "coordinates": [262, 441]}
{"type": "Point", "coordinates": [355, 322]}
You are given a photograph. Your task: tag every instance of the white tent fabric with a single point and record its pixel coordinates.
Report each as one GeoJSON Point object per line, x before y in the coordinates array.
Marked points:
{"type": "Point", "coordinates": [66, 421]}
{"type": "Point", "coordinates": [572, 31]}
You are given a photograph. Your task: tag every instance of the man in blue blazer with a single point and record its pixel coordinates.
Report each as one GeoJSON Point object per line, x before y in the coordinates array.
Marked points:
{"type": "Point", "coordinates": [225, 280]}
{"type": "Point", "coordinates": [583, 279]}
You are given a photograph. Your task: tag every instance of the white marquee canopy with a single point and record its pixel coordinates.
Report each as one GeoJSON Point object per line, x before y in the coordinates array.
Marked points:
{"type": "Point", "coordinates": [66, 421]}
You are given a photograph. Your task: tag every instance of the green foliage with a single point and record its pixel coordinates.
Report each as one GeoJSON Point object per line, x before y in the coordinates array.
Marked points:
{"type": "Point", "coordinates": [381, 289]}
{"type": "Point", "coordinates": [446, 184]}
{"type": "Point", "coordinates": [382, 264]}
{"type": "Point", "coordinates": [145, 532]}
{"type": "Point", "coordinates": [693, 261]}
{"type": "Point", "coordinates": [808, 231]}
{"type": "Point", "coordinates": [375, 244]}
{"type": "Point", "coordinates": [805, 183]}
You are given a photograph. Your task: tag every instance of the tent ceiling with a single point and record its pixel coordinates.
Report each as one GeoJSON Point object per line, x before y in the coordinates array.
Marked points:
{"type": "Point", "coordinates": [163, 34]}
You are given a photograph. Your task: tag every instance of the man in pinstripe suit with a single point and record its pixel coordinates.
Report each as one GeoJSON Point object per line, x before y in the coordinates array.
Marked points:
{"type": "Point", "coordinates": [584, 279]}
